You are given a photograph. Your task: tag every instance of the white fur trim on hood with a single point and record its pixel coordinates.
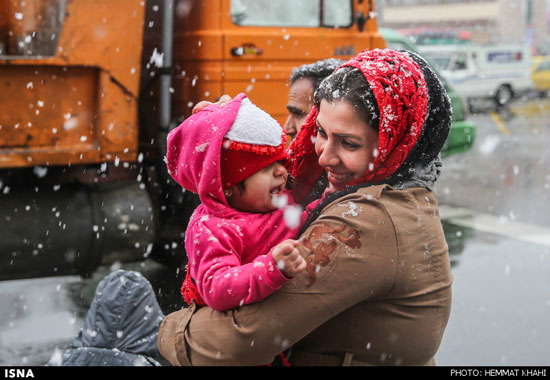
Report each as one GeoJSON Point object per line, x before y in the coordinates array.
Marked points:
{"type": "Point", "coordinates": [254, 126]}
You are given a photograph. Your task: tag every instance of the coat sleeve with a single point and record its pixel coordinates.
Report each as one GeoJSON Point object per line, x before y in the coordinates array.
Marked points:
{"type": "Point", "coordinates": [224, 282]}
{"type": "Point", "coordinates": [349, 260]}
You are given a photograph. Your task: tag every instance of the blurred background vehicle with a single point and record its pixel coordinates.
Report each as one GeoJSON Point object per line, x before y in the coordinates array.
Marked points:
{"type": "Point", "coordinates": [541, 74]}
{"type": "Point", "coordinates": [436, 36]}
{"type": "Point", "coordinates": [462, 135]}
{"type": "Point", "coordinates": [501, 73]}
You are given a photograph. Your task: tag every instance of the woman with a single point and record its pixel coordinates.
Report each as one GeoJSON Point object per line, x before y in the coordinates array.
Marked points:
{"type": "Point", "coordinates": [378, 285]}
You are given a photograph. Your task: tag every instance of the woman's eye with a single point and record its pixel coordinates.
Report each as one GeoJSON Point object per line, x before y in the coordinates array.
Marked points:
{"type": "Point", "coordinates": [321, 132]}
{"type": "Point", "coordinates": [350, 145]}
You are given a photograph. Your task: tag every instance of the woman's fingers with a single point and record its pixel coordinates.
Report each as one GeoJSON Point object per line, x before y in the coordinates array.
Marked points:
{"type": "Point", "coordinates": [200, 106]}
{"type": "Point", "coordinates": [222, 101]}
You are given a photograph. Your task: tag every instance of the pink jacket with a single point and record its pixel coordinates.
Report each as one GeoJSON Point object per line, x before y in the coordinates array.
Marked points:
{"type": "Point", "coordinates": [229, 251]}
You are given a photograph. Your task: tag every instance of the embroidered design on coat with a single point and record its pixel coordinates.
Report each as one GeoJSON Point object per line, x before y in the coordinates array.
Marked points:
{"type": "Point", "coordinates": [319, 256]}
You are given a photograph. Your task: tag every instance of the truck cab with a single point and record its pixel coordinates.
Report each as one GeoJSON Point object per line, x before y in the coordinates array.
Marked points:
{"type": "Point", "coordinates": [251, 46]}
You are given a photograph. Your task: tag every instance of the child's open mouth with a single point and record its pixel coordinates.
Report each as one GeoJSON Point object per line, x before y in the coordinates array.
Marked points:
{"type": "Point", "coordinates": [277, 189]}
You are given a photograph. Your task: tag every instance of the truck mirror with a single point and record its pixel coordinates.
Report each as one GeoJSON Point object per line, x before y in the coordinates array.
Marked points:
{"type": "Point", "coordinates": [361, 20]}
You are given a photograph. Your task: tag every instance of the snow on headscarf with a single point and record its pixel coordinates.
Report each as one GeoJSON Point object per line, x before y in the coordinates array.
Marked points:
{"type": "Point", "coordinates": [400, 90]}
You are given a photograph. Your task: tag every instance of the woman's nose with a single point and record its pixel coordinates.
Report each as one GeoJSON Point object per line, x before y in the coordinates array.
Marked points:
{"type": "Point", "coordinates": [327, 156]}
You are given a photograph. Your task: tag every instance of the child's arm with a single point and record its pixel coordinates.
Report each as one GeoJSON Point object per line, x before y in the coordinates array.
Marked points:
{"type": "Point", "coordinates": [224, 283]}
{"type": "Point", "coordinates": [216, 267]}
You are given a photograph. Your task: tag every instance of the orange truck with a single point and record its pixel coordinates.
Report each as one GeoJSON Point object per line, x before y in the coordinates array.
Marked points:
{"type": "Point", "coordinates": [89, 90]}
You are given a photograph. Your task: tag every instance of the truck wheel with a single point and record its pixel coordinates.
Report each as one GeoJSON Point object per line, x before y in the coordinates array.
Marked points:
{"type": "Point", "coordinates": [503, 95]}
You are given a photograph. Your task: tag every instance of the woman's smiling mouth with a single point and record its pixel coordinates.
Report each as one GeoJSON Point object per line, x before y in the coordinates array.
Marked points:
{"type": "Point", "coordinates": [337, 178]}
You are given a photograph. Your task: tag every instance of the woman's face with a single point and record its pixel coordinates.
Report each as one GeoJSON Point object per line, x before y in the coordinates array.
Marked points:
{"type": "Point", "coordinates": [345, 143]}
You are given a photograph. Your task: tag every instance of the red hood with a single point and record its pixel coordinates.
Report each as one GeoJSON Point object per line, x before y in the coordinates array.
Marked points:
{"type": "Point", "coordinates": [194, 150]}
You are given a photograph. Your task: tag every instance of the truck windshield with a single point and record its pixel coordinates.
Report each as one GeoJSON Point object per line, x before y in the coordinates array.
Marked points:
{"type": "Point", "coordinates": [31, 28]}
{"type": "Point", "coordinates": [292, 13]}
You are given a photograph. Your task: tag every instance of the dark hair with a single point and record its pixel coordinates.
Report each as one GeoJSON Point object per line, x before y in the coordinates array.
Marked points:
{"type": "Point", "coordinates": [316, 71]}
{"type": "Point", "coordinates": [241, 186]}
{"type": "Point", "coordinates": [349, 84]}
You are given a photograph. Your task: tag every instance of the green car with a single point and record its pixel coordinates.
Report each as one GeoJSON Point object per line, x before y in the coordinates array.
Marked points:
{"type": "Point", "coordinates": [462, 135]}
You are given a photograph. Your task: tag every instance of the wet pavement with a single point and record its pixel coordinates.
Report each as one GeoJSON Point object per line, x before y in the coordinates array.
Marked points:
{"type": "Point", "coordinates": [499, 241]}
{"type": "Point", "coordinates": [507, 172]}
{"type": "Point", "coordinates": [39, 317]}
{"type": "Point", "coordinates": [496, 212]}
{"type": "Point", "coordinates": [501, 304]}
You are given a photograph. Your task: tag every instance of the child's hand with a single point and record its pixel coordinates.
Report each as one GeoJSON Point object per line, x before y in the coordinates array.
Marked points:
{"type": "Point", "coordinates": [288, 258]}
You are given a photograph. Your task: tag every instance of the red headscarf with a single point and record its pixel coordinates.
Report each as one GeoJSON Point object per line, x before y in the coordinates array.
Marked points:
{"type": "Point", "coordinates": [399, 87]}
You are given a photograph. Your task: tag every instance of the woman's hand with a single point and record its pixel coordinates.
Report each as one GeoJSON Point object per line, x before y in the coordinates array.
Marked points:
{"type": "Point", "coordinates": [288, 258]}
{"type": "Point", "coordinates": [222, 101]}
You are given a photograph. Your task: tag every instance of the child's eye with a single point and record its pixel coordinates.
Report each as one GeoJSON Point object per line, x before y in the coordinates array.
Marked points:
{"type": "Point", "coordinates": [267, 168]}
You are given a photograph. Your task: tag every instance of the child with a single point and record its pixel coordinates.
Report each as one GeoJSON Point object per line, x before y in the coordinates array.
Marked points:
{"type": "Point", "coordinates": [237, 241]}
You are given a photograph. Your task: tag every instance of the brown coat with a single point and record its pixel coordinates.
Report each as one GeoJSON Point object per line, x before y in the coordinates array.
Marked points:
{"type": "Point", "coordinates": [377, 286]}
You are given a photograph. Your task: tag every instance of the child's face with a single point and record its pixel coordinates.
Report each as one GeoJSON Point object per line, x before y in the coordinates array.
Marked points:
{"type": "Point", "coordinates": [259, 189]}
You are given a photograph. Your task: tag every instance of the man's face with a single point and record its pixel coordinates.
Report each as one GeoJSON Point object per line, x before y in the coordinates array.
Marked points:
{"type": "Point", "coordinates": [300, 102]}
